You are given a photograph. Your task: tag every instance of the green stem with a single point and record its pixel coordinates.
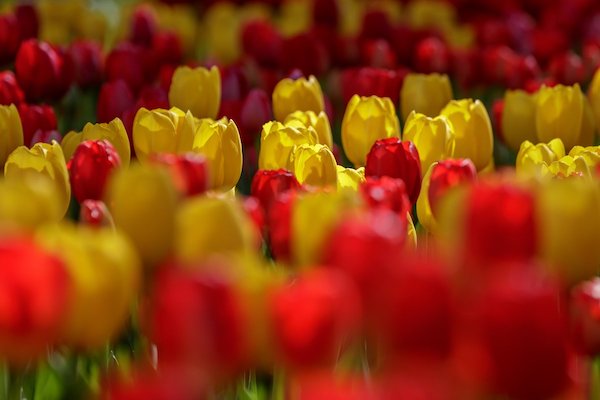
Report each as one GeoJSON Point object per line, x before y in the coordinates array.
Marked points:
{"type": "Point", "coordinates": [279, 383]}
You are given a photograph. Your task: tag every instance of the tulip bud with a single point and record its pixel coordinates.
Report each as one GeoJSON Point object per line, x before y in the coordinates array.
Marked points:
{"type": "Point", "coordinates": [585, 321]}
{"type": "Point", "coordinates": [533, 159]}
{"type": "Point", "coordinates": [162, 131]}
{"type": "Point", "coordinates": [567, 68]}
{"type": "Point", "coordinates": [95, 213]}
{"type": "Point", "coordinates": [560, 113]}
{"type": "Point", "coordinates": [432, 56]}
{"type": "Point", "coordinates": [268, 184]}
{"type": "Point", "coordinates": [518, 118]}
{"type": "Point", "coordinates": [189, 171]}
{"type": "Point", "coordinates": [439, 179]}
{"type": "Point", "coordinates": [36, 118]}
{"type": "Point", "coordinates": [425, 94]}
{"type": "Point", "coordinates": [114, 132]}
{"type": "Point", "coordinates": [10, 39]}
{"type": "Point", "coordinates": [279, 217]}
{"type": "Point", "coordinates": [124, 62]}
{"type": "Point", "coordinates": [254, 113]}
{"type": "Point", "coordinates": [11, 131]}
{"type": "Point", "coordinates": [433, 137]}
{"type": "Point", "coordinates": [314, 165]}
{"type": "Point", "coordinates": [388, 193]}
{"type": "Point", "coordinates": [35, 287]}
{"type": "Point", "coordinates": [348, 178]}
{"type": "Point", "coordinates": [42, 159]}
{"type": "Point", "coordinates": [114, 99]}
{"type": "Point", "coordinates": [196, 90]}
{"type": "Point", "coordinates": [319, 122]}
{"type": "Point", "coordinates": [208, 227]}
{"type": "Point", "coordinates": [88, 63]}
{"type": "Point", "coordinates": [304, 52]}
{"type": "Point", "coordinates": [277, 142]}
{"type": "Point", "coordinates": [219, 141]}
{"type": "Point", "coordinates": [106, 275]}
{"type": "Point", "coordinates": [371, 82]}
{"type": "Point", "coordinates": [297, 95]}
{"type": "Point", "coordinates": [472, 131]}
{"type": "Point", "coordinates": [367, 119]}
{"type": "Point", "coordinates": [142, 200]}
{"type": "Point", "coordinates": [90, 167]}
{"type": "Point", "coordinates": [10, 91]}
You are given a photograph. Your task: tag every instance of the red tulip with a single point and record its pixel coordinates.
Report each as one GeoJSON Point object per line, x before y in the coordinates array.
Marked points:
{"type": "Point", "coordinates": [466, 67]}
{"type": "Point", "coordinates": [312, 317]}
{"type": "Point", "coordinates": [255, 111]}
{"type": "Point", "coordinates": [378, 54]}
{"type": "Point", "coordinates": [372, 82]}
{"type": "Point", "coordinates": [95, 213]}
{"type": "Point", "coordinates": [333, 386]}
{"type": "Point", "coordinates": [144, 25]}
{"type": "Point", "coordinates": [10, 38]}
{"type": "Point", "coordinates": [88, 61]}
{"type": "Point", "coordinates": [396, 159]}
{"type": "Point", "coordinates": [376, 24]}
{"type": "Point", "coordinates": [166, 384]}
{"type": "Point", "coordinates": [567, 68]}
{"type": "Point", "coordinates": [256, 213]}
{"type": "Point", "coordinates": [189, 171]}
{"type": "Point", "coordinates": [386, 192]}
{"type": "Point", "coordinates": [10, 92]}
{"type": "Point", "coordinates": [152, 97]}
{"type": "Point", "coordinates": [45, 136]}
{"type": "Point", "coordinates": [125, 62]}
{"type": "Point", "coordinates": [29, 21]}
{"type": "Point", "coordinates": [114, 99]}
{"type": "Point", "coordinates": [262, 42]}
{"type": "Point", "coordinates": [447, 174]}
{"type": "Point", "coordinates": [279, 219]}
{"type": "Point", "coordinates": [36, 118]}
{"type": "Point", "coordinates": [34, 287]}
{"type": "Point", "coordinates": [326, 13]}
{"type": "Point", "coordinates": [267, 185]}
{"type": "Point", "coordinates": [547, 42]}
{"type": "Point", "coordinates": [234, 83]}
{"type": "Point", "coordinates": [585, 317]}
{"type": "Point", "coordinates": [304, 52]}
{"type": "Point", "coordinates": [89, 168]}
{"type": "Point", "coordinates": [432, 55]}
{"type": "Point", "coordinates": [168, 48]}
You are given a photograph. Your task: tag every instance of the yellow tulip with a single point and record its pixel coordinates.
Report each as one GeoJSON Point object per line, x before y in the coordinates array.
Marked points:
{"type": "Point", "coordinates": [106, 275]}
{"type": "Point", "coordinates": [531, 158]}
{"type": "Point", "coordinates": [424, 212]}
{"type": "Point", "coordinates": [366, 120]}
{"type": "Point", "coordinates": [433, 137]}
{"type": "Point", "coordinates": [163, 131]}
{"type": "Point", "coordinates": [197, 90]}
{"type": "Point", "coordinates": [211, 226]}
{"type": "Point", "coordinates": [472, 129]}
{"type": "Point", "coordinates": [518, 118]}
{"type": "Point", "coordinates": [348, 178]}
{"type": "Point", "coordinates": [222, 24]}
{"type": "Point", "coordinates": [142, 201]}
{"type": "Point", "coordinates": [42, 159]}
{"type": "Point", "coordinates": [594, 96]}
{"type": "Point", "coordinates": [425, 94]}
{"type": "Point", "coordinates": [569, 166]}
{"type": "Point", "coordinates": [590, 154]}
{"type": "Point", "coordinates": [314, 165]}
{"type": "Point", "coordinates": [561, 113]}
{"type": "Point", "coordinates": [300, 94]}
{"type": "Point", "coordinates": [277, 142]}
{"type": "Point", "coordinates": [319, 122]}
{"type": "Point", "coordinates": [569, 228]}
{"type": "Point", "coordinates": [219, 141]}
{"type": "Point", "coordinates": [11, 131]}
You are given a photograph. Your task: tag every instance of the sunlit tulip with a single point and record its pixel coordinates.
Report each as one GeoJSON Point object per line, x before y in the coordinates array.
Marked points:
{"type": "Point", "coordinates": [278, 141]}
{"type": "Point", "coordinates": [314, 165]}
{"type": "Point", "coordinates": [349, 178]}
{"type": "Point", "coordinates": [196, 90]}
{"type": "Point", "coordinates": [532, 159]}
{"type": "Point", "coordinates": [297, 95]}
{"type": "Point", "coordinates": [268, 184]}
{"type": "Point", "coordinates": [425, 94]}
{"type": "Point", "coordinates": [113, 131]}
{"type": "Point", "coordinates": [433, 137]}
{"type": "Point", "coordinates": [320, 123]}
{"type": "Point", "coordinates": [11, 131]}
{"type": "Point", "coordinates": [518, 118]}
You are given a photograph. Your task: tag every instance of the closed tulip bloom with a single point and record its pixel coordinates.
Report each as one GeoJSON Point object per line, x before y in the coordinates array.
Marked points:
{"type": "Point", "coordinates": [561, 113]}
{"type": "Point", "coordinates": [106, 275]}
{"type": "Point", "coordinates": [162, 131]}
{"type": "Point", "coordinates": [219, 141]}
{"type": "Point", "coordinates": [433, 137]}
{"type": "Point", "coordinates": [425, 93]}
{"type": "Point", "coordinates": [210, 226]}
{"type": "Point", "coordinates": [197, 90]}
{"type": "Point", "coordinates": [396, 159]}
{"type": "Point", "coordinates": [301, 94]}
{"type": "Point", "coordinates": [95, 213]}
{"type": "Point", "coordinates": [44, 159]}
{"type": "Point", "coordinates": [349, 178]}
{"type": "Point", "coordinates": [142, 200]}
{"type": "Point", "coordinates": [113, 131]}
{"type": "Point", "coordinates": [584, 318]}
{"type": "Point", "coordinates": [472, 131]}
{"type": "Point", "coordinates": [314, 165]}
{"type": "Point", "coordinates": [11, 131]}
{"type": "Point", "coordinates": [277, 142]}
{"type": "Point", "coordinates": [366, 120]}
{"type": "Point", "coordinates": [532, 158]}
{"type": "Point", "coordinates": [10, 91]}
{"type": "Point", "coordinates": [268, 184]}
{"type": "Point", "coordinates": [518, 118]}
{"type": "Point", "coordinates": [189, 171]}
{"type": "Point", "coordinates": [36, 118]}
{"type": "Point", "coordinates": [318, 121]}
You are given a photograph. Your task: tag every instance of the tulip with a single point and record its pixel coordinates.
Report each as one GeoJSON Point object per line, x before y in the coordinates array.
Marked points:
{"type": "Point", "coordinates": [396, 159]}
{"type": "Point", "coordinates": [319, 122]}
{"type": "Point", "coordinates": [196, 90]}
{"type": "Point", "coordinates": [594, 96]}
{"type": "Point", "coordinates": [518, 118]}
{"type": "Point", "coordinates": [439, 179]}
{"type": "Point", "coordinates": [425, 94]}
{"type": "Point", "coordinates": [367, 119]}
{"type": "Point", "coordinates": [532, 159]}
{"type": "Point", "coordinates": [114, 99]}
{"type": "Point", "coordinates": [143, 26]}
{"type": "Point", "coordinates": [585, 321]}
{"type": "Point", "coordinates": [561, 113]}
{"type": "Point", "coordinates": [208, 227]}
{"type": "Point", "coordinates": [314, 165]}
{"type": "Point", "coordinates": [95, 213]}
{"type": "Point", "coordinates": [262, 42]}
{"type": "Point", "coordinates": [433, 137]}
{"type": "Point", "coordinates": [163, 131]}
{"type": "Point", "coordinates": [388, 193]}
{"type": "Point", "coordinates": [297, 95]}
{"type": "Point", "coordinates": [189, 171]}
{"type": "Point", "coordinates": [432, 56]}
{"type": "Point", "coordinates": [35, 288]}
{"type": "Point", "coordinates": [268, 184]}
{"type": "Point", "coordinates": [349, 178]}
{"type": "Point", "coordinates": [42, 159]}
{"type": "Point", "coordinates": [113, 131]}
{"type": "Point", "coordinates": [10, 40]}
{"type": "Point", "coordinates": [279, 221]}
{"type": "Point", "coordinates": [277, 142]}
{"type": "Point", "coordinates": [472, 131]}
{"type": "Point", "coordinates": [142, 200]}
{"type": "Point", "coordinates": [125, 62]}
{"type": "Point", "coordinates": [368, 81]}
{"type": "Point", "coordinates": [11, 132]}
{"type": "Point", "coordinates": [36, 118]}
{"type": "Point", "coordinates": [88, 63]}
{"type": "Point", "coordinates": [254, 113]}
{"type": "Point", "coordinates": [10, 91]}
{"type": "Point", "coordinates": [90, 167]}
{"type": "Point", "coordinates": [304, 52]}
{"type": "Point", "coordinates": [219, 141]}
{"type": "Point", "coordinates": [568, 212]}
{"type": "Point", "coordinates": [106, 275]}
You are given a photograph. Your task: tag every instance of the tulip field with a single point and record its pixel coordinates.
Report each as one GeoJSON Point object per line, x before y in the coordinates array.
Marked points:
{"type": "Point", "coordinates": [300, 200]}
